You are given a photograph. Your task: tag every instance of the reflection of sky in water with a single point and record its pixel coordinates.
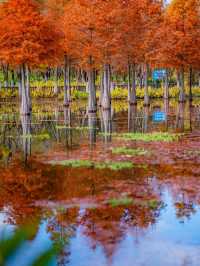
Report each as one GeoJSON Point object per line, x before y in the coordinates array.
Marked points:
{"type": "Point", "coordinates": [169, 242]}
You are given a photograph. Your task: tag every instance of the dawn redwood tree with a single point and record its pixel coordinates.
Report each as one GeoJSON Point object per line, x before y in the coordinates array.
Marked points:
{"type": "Point", "coordinates": [129, 44]}
{"type": "Point", "coordinates": [27, 39]}
{"type": "Point", "coordinates": [178, 39]}
{"type": "Point", "coordinates": [151, 13]}
{"type": "Point", "coordinates": [108, 37]}
{"type": "Point", "coordinates": [59, 13]}
{"type": "Point", "coordinates": [83, 41]}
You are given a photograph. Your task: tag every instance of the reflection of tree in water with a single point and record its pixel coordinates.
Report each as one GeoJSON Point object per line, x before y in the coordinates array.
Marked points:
{"type": "Point", "coordinates": [107, 226]}
{"type": "Point", "coordinates": [132, 118]}
{"type": "Point", "coordinates": [92, 124]}
{"type": "Point", "coordinates": [184, 187]}
{"type": "Point", "coordinates": [26, 136]}
{"type": "Point", "coordinates": [62, 225]}
{"type": "Point", "coordinates": [106, 124]}
{"type": "Point", "coordinates": [180, 117]}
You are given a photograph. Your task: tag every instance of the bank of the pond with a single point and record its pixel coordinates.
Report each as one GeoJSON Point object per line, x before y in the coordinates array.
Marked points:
{"type": "Point", "coordinates": [118, 93]}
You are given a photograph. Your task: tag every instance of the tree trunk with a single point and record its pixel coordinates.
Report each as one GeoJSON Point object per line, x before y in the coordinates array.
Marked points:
{"type": "Point", "coordinates": [19, 83]}
{"type": "Point", "coordinates": [92, 103]}
{"type": "Point", "coordinates": [28, 88]}
{"type": "Point", "coordinates": [106, 101]}
{"type": "Point", "coordinates": [190, 85]}
{"type": "Point", "coordinates": [66, 81]}
{"type": "Point", "coordinates": [133, 98]}
{"type": "Point", "coordinates": [56, 81]}
{"type": "Point", "coordinates": [12, 79]}
{"type": "Point", "coordinates": [166, 85]}
{"type": "Point", "coordinates": [24, 98]}
{"type": "Point", "coordinates": [146, 92]}
{"type": "Point", "coordinates": [182, 86]}
{"type": "Point", "coordinates": [101, 88]}
{"type": "Point", "coordinates": [129, 83]}
{"type": "Point", "coordinates": [178, 81]}
{"type": "Point", "coordinates": [199, 78]}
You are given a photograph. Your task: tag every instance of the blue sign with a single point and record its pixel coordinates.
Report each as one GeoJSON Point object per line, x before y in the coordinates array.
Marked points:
{"type": "Point", "coordinates": [159, 74]}
{"type": "Point", "coordinates": [159, 117]}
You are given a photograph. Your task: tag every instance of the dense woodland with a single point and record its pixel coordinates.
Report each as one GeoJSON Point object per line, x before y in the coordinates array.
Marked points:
{"type": "Point", "coordinates": [97, 42]}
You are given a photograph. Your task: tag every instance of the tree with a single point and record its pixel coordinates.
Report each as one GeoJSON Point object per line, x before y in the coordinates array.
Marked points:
{"type": "Point", "coordinates": [27, 39]}
{"type": "Point", "coordinates": [178, 39]}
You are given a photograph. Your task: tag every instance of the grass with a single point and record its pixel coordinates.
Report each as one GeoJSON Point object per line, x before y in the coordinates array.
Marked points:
{"type": "Point", "coordinates": [42, 137]}
{"type": "Point", "coordinates": [153, 204]}
{"type": "Point", "coordinates": [120, 202]}
{"type": "Point", "coordinates": [73, 163]}
{"type": "Point", "coordinates": [129, 151]}
{"type": "Point", "coordinates": [114, 166]}
{"type": "Point", "coordinates": [151, 137]}
{"type": "Point", "coordinates": [75, 128]}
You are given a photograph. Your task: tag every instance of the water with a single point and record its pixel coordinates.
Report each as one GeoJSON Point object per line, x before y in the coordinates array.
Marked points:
{"type": "Point", "coordinates": [74, 205]}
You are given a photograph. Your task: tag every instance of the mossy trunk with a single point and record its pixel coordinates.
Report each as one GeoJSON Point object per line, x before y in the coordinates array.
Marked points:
{"type": "Point", "coordinates": [67, 90]}
{"type": "Point", "coordinates": [92, 102]}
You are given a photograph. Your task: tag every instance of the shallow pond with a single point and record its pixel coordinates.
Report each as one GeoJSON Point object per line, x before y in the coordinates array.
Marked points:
{"type": "Point", "coordinates": [100, 183]}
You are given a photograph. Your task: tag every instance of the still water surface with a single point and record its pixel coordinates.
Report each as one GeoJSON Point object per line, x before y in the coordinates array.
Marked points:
{"type": "Point", "coordinates": [71, 204]}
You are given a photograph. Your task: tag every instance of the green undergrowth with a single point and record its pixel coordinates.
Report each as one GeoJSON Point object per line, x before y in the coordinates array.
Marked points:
{"type": "Point", "coordinates": [129, 151]}
{"type": "Point", "coordinates": [60, 127]}
{"type": "Point", "coordinates": [152, 204]}
{"type": "Point", "coordinates": [42, 137]}
{"type": "Point", "coordinates": [126, 201]}
{"type": "Point", "coordinates": [115, 166]}
{"type": "Point", "coordinates": [151, 137]}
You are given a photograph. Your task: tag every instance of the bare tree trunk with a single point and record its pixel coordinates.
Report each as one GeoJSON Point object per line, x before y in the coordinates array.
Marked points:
{"type": "Point", "coordinates": [199, 78]}
{"type": "Point", "coordinates": [12, 78]}
{"type": "Point", "coordinates": [101, 88]}
{"type": "Point", "coordinates": [28, 88]}
{"type": "Point", "coordinates": [182, 87]}
{"type": "Point", "coordinates": [190, 85]}
{"type": "Point", "coordinates": [133, 98]}
{"type": "Point", "coordinates": [146, 92]}
{"type": "Point", "coordinates": [106, 100]}
{"type": "Point", "coordinates": [24, 99]}
{"type": "Point", "coordinates": [178, 81]}
{"type": "Point", "coordinates": [66, 81]}
{"type": "Point", "coordinates": [19, 83]}
{"type": "Point", "coordinates": [5, 75]}
{"type": "Point", "coordinates": [129, 83]}
{"type": "Point", "coordinates": [56, 81]}
{"type": "Point", "coordinates": [166, 85]}
{"type": "Point", "coordinates": [92, 103]}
